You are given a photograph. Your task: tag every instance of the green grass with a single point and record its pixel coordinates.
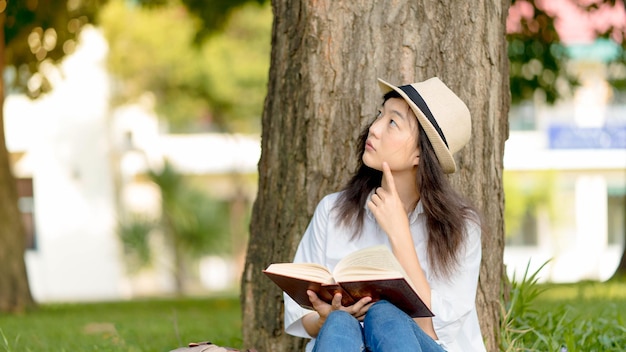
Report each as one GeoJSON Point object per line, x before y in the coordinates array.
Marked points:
{"type": "Point", "coordinates": [133, 326]}
{"type": "Point", "coordinates": [588, 299]}
{"type": "Point", "coordinates": [587, 316]}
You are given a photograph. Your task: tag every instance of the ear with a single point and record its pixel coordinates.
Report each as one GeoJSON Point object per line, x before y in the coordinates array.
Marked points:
{"type": "Point", "coordinates": [416, 159]}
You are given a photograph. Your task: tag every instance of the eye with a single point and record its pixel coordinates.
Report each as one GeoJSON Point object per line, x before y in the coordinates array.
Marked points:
{"type": "Point", "coordinates": [393, 122]}
{"type": "Point", "coordinates": [379, 114]}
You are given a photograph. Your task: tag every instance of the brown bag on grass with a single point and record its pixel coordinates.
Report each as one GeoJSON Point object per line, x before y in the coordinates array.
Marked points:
{"type": "Point", "coordinates": [208, 346]}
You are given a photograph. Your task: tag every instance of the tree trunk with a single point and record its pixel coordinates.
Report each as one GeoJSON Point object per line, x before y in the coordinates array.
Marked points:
{"type": "Point", "coordinates": [326, 56]}
{"type": "Point", "coordinates": [620, 272]}
{"type": "Point", "coordinates": [14, 290]}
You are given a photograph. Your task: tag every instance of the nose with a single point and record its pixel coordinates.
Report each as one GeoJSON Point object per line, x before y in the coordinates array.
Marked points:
{"type": "Point", "coordinates": [375, 128]}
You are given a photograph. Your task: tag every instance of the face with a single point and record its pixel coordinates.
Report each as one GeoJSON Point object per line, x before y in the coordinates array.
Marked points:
{"type": "Point", "coordinates": [393, 138]}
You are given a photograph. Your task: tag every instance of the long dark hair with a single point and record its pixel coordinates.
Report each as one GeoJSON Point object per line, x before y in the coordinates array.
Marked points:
{"type": "Point", "coordinates": [445, 209]}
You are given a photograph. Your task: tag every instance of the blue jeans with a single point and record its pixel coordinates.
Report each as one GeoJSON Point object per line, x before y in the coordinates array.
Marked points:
{"type": "Point", "coordinates": [385, 328]}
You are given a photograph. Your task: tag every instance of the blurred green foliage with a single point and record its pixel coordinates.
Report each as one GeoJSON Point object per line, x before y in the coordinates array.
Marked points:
{"type": "Point", "coordinates": [38, 33]}
{"type": "Point", "coordinates": [134, 232]}
{"type": "Point", "coordinates": [536, 58]}
{"type": "Point", "coordinates": [213, 14]}
{"type": "Point", "coordinates": [237, 62]}
{"type": "Point", "coordinates": [192, 224]}
{"type": "Point", "coordinates": [198, 222]}
{"type": "Point", "coordinates": [218, 83]}
{"type": "Point", "coordinates": [529, 191]}
{"type": "Point", "coordinates": [539, 62]}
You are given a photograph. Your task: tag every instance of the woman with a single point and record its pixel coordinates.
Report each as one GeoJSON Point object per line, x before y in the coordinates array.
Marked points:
{"type": "Point", "coordinates": [400, 197]}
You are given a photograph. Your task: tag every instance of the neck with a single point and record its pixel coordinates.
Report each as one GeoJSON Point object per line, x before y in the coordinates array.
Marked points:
{"type": "Point", "coordinates": [407, 189]}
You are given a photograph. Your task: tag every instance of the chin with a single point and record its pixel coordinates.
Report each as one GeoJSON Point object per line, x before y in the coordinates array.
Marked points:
{"type": "Point", "coordinates": [372, 165]}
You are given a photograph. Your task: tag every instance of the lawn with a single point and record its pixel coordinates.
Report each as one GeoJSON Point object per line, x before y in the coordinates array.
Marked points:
{"type": "Point", "coordinates": [587, 299]}
{"type": "Point", "coordinates": [586, 316]}
{"type": "Point", "coordinates": [143, 325]}
{"type": "Point", "coordinates": [164, 324]}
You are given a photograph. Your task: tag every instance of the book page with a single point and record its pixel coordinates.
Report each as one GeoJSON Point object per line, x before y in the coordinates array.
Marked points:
{"type": "Point", "coordinates": [375, 262]}
{"type": "Point", "coordinates": [306, 271]}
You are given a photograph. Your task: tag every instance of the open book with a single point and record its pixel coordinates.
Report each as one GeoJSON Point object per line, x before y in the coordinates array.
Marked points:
{"type": "Point", "coordinates": [373, 272]}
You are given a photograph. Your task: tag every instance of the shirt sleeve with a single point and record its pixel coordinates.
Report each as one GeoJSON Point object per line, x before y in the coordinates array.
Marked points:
{"type": "Point", "coordinates": [310, 250]}
{"type": "Point", "coordinates": [453, 299]}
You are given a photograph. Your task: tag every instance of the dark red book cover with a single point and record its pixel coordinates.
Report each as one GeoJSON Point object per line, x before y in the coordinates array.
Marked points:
{"type": "Point", "coordinates": [397, 291]}
{"type": "Point", "coordinates": [296, 289]}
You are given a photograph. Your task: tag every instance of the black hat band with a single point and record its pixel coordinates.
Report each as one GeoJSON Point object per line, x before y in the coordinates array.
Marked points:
{"type": "Point", "coordinates": [421, 104]}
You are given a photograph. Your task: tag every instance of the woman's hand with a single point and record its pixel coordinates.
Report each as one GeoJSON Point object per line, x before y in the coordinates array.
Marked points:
{"type": "Point", "coordinates": [322, 308]}
{"type": "Point", "coordinates": [313, 322]}
{"type": "Point", "coordinates": [386, 206]}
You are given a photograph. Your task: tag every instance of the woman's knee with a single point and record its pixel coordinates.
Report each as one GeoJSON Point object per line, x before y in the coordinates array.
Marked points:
{"type": "Point", "coordinates": [340, 332]}
{"type": "Point", "coordinates": [341, 325]}
{"type": "Point", "coordinates": [342, 318]}
{"type": "Point", "coordinates": [381, 309]}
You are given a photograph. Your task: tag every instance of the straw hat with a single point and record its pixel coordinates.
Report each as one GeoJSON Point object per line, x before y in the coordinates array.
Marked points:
{"type": "Point", "coordinates": [441, 113]}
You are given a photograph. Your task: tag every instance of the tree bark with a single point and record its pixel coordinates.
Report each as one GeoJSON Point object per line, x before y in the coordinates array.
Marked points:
{"type": "Point", "coordinates": [326, 56]}
{"type": "Point", "coordinates": [620, 271]}
{"type": "Point", "coordinates": [15, 293]}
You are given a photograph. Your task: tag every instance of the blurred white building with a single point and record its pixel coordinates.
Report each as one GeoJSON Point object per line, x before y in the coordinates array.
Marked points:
{"type": "Point", "coordinates": [568, 162]}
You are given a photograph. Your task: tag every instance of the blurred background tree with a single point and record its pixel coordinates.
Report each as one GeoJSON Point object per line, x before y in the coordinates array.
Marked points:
{"type": "Point", "coordinates": [192, 224]}
{"type": "Point", "coordinates": [216, 82]}
{"type": "Point", "coordinates": [538, 57]}
{"type": "Point", "coordinates": [536, 191]}
{"type": "Point", "coordinates": [34, 35]}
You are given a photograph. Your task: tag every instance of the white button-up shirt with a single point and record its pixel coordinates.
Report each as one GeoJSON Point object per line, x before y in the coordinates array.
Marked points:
{"type": "Point", "coordinates": [452, 299]}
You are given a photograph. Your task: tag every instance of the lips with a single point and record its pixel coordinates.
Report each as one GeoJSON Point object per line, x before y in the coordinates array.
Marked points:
{"type": "Point", "coordinates": [369, 146]}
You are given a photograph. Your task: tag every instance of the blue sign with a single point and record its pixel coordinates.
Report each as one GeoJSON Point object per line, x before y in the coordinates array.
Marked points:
{"type": "Point", "coordinates": [573, 137]}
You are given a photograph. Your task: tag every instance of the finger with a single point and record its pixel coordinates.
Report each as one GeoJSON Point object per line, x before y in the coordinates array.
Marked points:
{"type": "Point", "coordinates": [361, 307]}
{"type": "Point", "coordinates": [371, 205]}
{"type": "Point", "coordinates": [389, 184]}
{"type": "Point", "coordinates": [376, 199]}
{"type": "Point", "coordinates": [380, 192]}
{"type": "Point", "coordinates": [317, 304]}
{"type": "Point", "coordinates": [336, 303]}
{"type": "Point", "coordinates": [374, 203]}
{"type": "Point", "coordinates": [359, 315]}
{"type": "Point", "coordinates": [362, 303]}
{"type": "Point", "coordinates": [312, 296]}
